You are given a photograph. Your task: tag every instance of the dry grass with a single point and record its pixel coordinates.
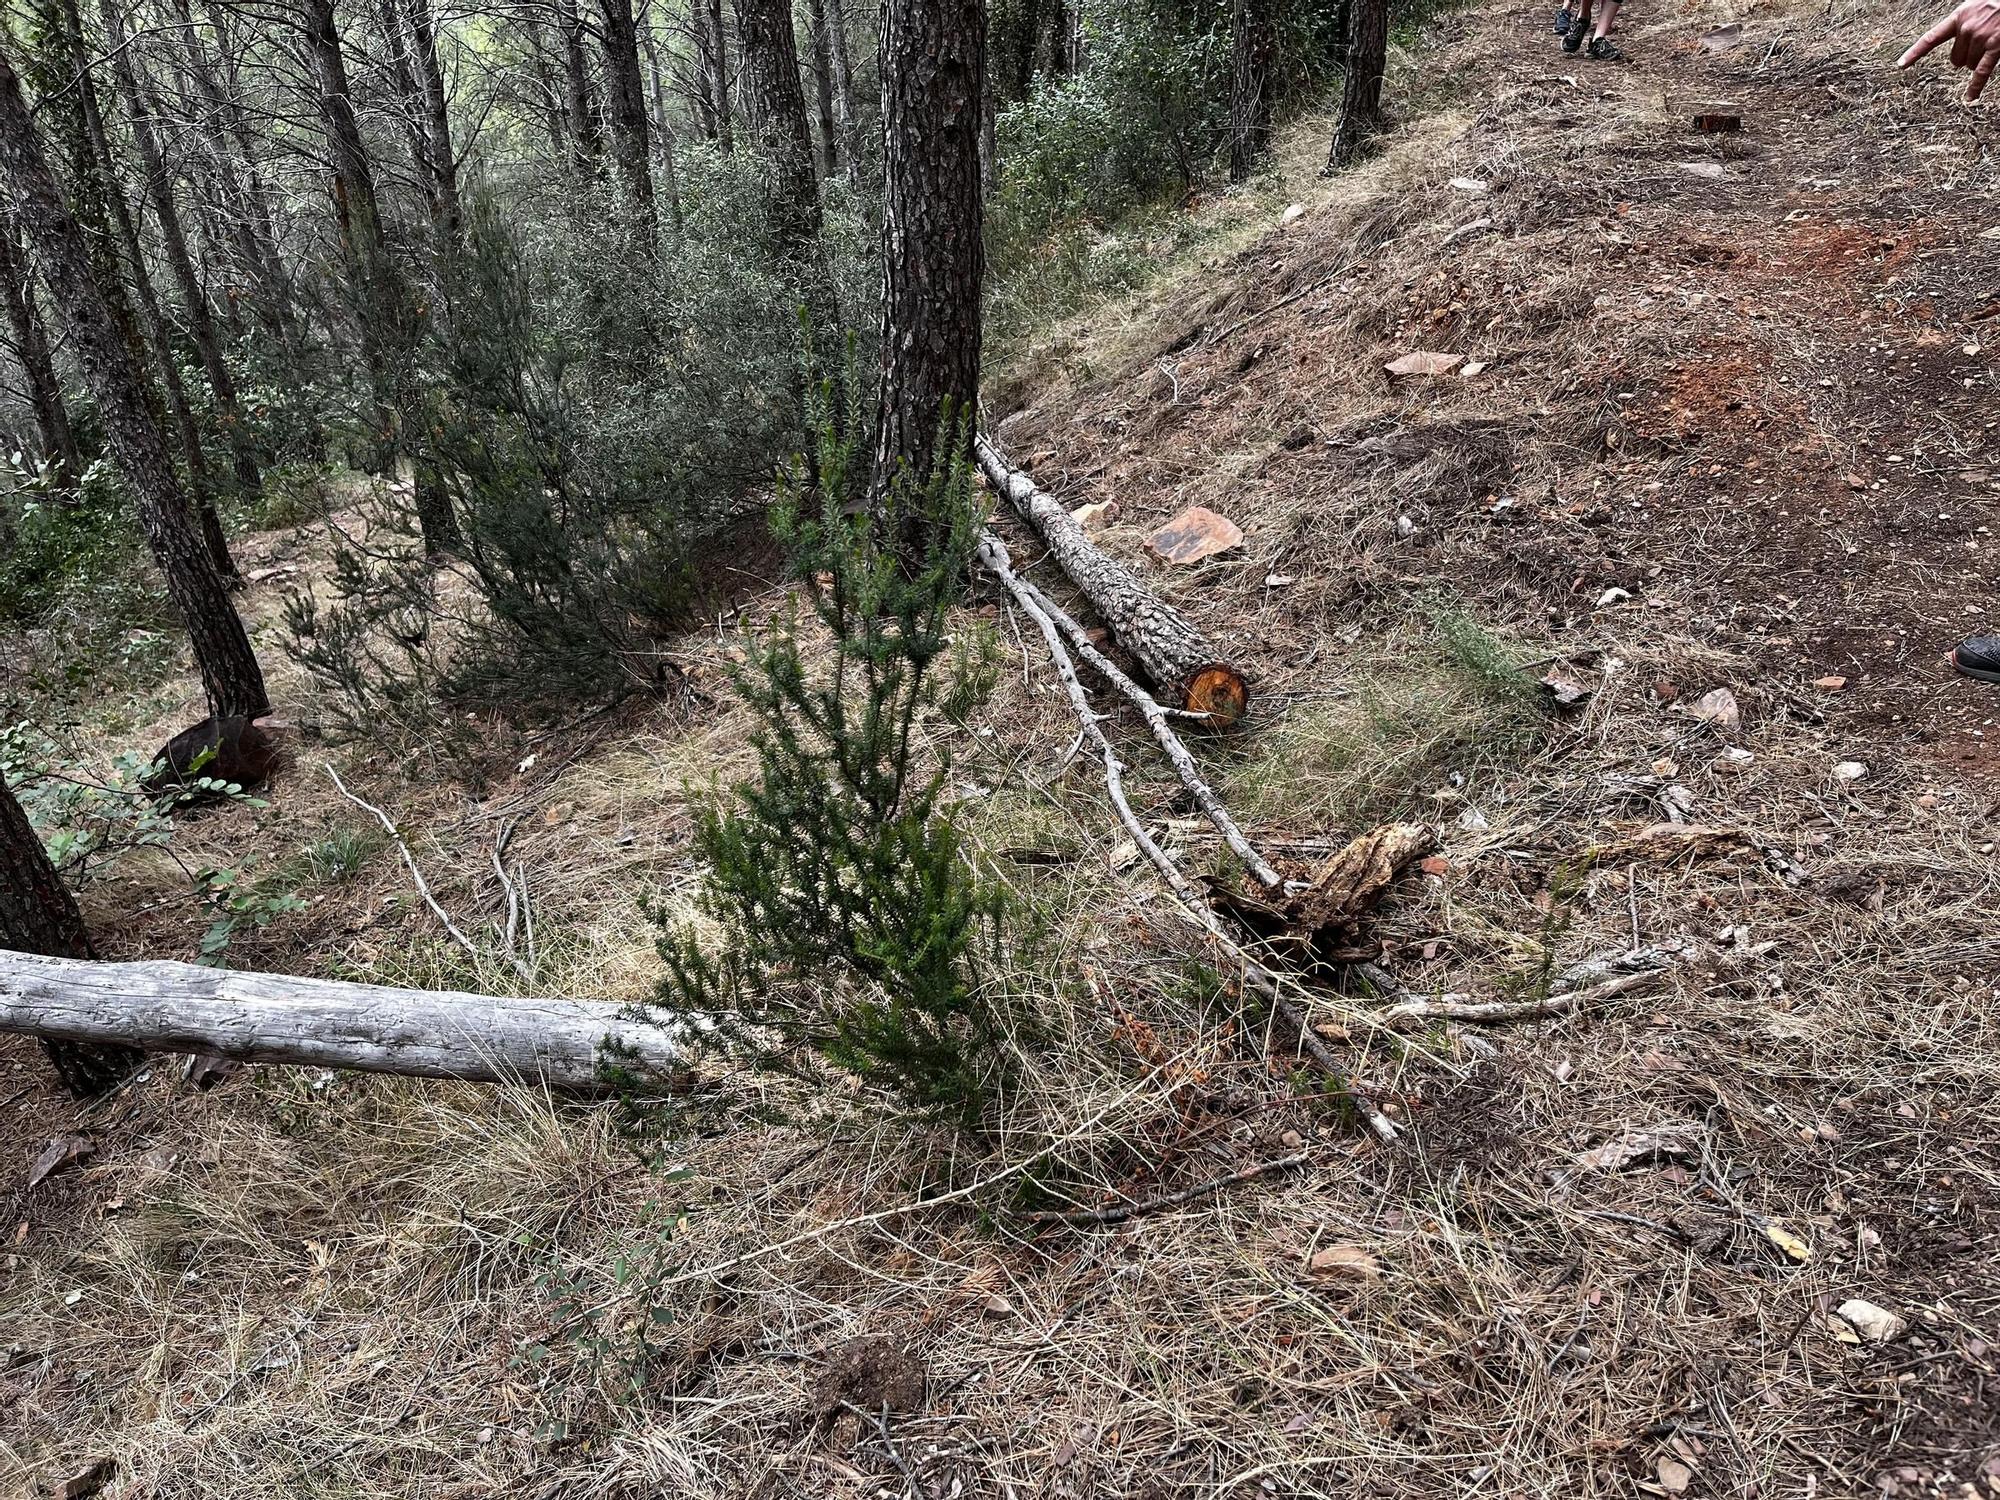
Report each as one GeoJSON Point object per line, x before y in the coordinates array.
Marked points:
{"type": "Point", "coordinates": [306, 1285]}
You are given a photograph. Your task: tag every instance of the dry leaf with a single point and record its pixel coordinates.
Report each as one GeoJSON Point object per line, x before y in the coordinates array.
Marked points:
{"type": "Point", "coordinates": [1670, 1138]}
{"type": "Point", "coordinates": [1346, 1260]}
{"type": "Point", "coordinates": [63, 1151]}
{"type": "Point", "coordinates": [1794, 1247]}
{"type": "Point", "coordinates": [1195, 533]}
{"type": "Point", "coordinates": [1674, 1475]}
{"type": "Point", "coordinates": [1422, 362]}
{"type": "Point", "coordinates": [997, 1306]}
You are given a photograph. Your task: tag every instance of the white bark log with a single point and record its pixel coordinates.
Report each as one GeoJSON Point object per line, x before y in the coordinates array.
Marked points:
{"type": "Point", "coordinates": [276, 1018]}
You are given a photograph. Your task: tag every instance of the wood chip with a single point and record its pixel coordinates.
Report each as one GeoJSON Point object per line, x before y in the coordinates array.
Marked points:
{"type": "Point", "coordinates": [1194, 534]}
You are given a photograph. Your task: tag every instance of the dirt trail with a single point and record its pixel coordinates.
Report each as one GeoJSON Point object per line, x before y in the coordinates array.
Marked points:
{"type": "Point", "coordinates": [1833, 400]}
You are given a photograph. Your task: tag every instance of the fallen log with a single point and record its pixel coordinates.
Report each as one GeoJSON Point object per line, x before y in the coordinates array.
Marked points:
{"type": "Point", "coordinates": [277, 1018]}
{"type": "Point", "coordinates": [1173, 654]}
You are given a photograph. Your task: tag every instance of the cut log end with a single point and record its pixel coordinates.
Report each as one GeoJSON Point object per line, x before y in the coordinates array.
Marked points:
{"type": "Point", "coordinates": [1217, 692]}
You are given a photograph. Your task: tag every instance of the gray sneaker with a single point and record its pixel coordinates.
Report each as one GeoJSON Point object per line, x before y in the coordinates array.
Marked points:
{"type": "Point", "coordinates": [1603, 49]}
{"type": "Point", "coordinates": [1573, 38]}
{"type": "Point", "coordinates": [1563, 18]}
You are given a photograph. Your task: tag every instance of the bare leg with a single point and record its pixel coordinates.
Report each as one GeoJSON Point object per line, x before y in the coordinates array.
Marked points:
{"type": "Point", "coordinates": [1607, 16]}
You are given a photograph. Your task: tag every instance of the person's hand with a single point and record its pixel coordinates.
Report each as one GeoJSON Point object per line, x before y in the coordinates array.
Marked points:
{"type": "Point", "coordinates": [1974, 32]}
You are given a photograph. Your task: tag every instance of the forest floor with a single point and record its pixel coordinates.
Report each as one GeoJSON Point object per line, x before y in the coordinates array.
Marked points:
{"type": "Point", "coordinates": [1728, 429]}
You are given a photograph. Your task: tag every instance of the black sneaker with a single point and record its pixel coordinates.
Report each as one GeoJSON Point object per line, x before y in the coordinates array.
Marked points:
{"type": "Point", "coordinates": [1978, 656]}
{"type": "Point", "coordinates": [1573, 38]}
{"type": "Point", "coordinates": [1563, 18]}
{"type": "Point", "coordinates": [1603, 49]}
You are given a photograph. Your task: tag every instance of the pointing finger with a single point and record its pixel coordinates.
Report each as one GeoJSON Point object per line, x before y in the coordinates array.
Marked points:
{"type": "Point", "coordinates": [1928, 40]}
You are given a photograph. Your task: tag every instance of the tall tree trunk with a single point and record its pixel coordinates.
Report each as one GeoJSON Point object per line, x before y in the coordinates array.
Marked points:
{"type": "Point", "coordinates": [111, 190]}
{"type": "Point", "coordinates": [774, 101]}
{"type": "Point", "coordinates": [663, 125]}
{"type": "Point", "coordinates": [1361, 94]}
{"type": "Point", "coordinates": [228, 667]}
{"type": "Point", "coordinates": [1253, 45]}
{"type": "Point", "coordinates": [712, 48]}
{"type": "Point", "coordinates": [143, 109]}
{"type": "Point", "coordinates": [829, 138]}
{"type": "Point", "coordinates": [38, 915]}
{"type": "Point", "coordinates": [387, 344]}
{"type": "Point", "coordinates": [554, 103]}
{"type": "Point", "coordinates": [31, 347]}
{"type": "Point", "coordinates": [585, 129]}
{"type": "Point", "coordinates": [839, 61]}
{"type": "Point", "coordinates": [412, 32]}
{"type": "Point", "coordinates": [243, 201]}
{"type": "Point", "coordinates": [933, 79]}
{"type": "Point", "coordinates": [626, 89]}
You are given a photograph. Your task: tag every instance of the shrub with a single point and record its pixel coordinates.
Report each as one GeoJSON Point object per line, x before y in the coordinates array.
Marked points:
{"type": "Point", "coordinates": [850, 911]}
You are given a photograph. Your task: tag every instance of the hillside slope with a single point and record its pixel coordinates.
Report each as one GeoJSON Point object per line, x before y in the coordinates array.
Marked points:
{"type": "Point", "coordinates": [1727, 431]}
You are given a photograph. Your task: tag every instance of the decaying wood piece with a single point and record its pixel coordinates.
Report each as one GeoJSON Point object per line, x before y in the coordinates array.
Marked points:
{"type": "Point", "coordinates": [277, 1018]}
{"type": "Point", "coordinates": [1256, 979]}
{"type": "Point", "coordinates": [1637, 970]}
{"type": "Point", "coordinates": [1174, 655]}
{"type": "Point", "coordinates": [1353, 879]}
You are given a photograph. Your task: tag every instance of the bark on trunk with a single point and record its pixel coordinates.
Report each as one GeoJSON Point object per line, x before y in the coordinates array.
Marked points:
{"type": "Point", "coordinates": [626, 83]}
{"type": "Point", "coordinates": [1178, 659]}
{"type": "Point", "coordinates": [38, 915]}
{"type": "Point", "coordinates": [386, 342]}
{"type": "Point", "coordinates": [159, 333]}
{"type": "Point", "coordinates": [775, 100]}
{"type": "Point", "coordinates": [585, 129]}
{"type": "Point", "coordinates": [839, 61]}
{"type": "Point", "coordinates": [222, 651]}
{"type": "Point", "coordinates": [933, 82]}
{"type": "Point", "coordinates": [712, 48]}
{"type": "Point", "coordinates": [1361, 93]}
{"type": "Point", "coordinates": [829, 137]}
{"type": "Point", "coordinates": [274, 1018]}
{"type": "Point", "coordinates": [142, 108]}
{"type": "Point", "coordinates": [1253, 45]}
{"type": "Point", "coordinates": [662, 124]}
{"type": "Point", "coordinates": [31, 347]}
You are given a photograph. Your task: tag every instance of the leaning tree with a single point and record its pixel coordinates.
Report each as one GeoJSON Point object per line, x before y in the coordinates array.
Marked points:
{"type": "Point", "coordinates": [228, 667]}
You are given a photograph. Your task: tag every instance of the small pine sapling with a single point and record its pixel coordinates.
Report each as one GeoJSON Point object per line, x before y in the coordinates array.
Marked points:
{"type": "Point", "coordinates": [850, 909]}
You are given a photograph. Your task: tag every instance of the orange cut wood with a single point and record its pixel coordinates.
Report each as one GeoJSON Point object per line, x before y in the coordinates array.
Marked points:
{"type": "Point", "coordinates": [1219, 692]}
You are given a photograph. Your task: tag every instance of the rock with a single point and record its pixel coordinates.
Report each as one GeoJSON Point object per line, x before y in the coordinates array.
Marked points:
{"type": "Point", "coordinates": [1292, 214]}
{"type": "Point", "coordinates": [1194, 534]}
{"type": "Point", "coordinates": [1097, 513]}
{"type": "Point", "coordinates": [1718, 706]}
{"type": "Point", "coordinates": [1421, 363]}
{"type": "Point", "coordinates": [1564, 690]}
{"type": "Point", "coordinates": [1471, 185]}
{"type": "Point", "coordinates": [1674, 1476]}
{"type": "Point", "coordinates": [1832, 683]}
{"type": "Point", "coordinates": [1876, 1325]}
{"type": "Point", "coordinates": [1712, 170]}
{"type": "Point", "coordinates": [1851, 770]}
{"type": "Point", "coordinates": [1405, 528]}
{"type": "Point", "coordinates": [1472, 367]}
{"type": "Point", "coordinates": [1613, 596]}
{"type": "Point", "coordinates": [1722, 38]}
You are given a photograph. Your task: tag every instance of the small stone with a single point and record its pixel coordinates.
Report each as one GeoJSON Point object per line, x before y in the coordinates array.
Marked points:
{"type": "Point", "coordinates": [1876, 1325]}
{"type": "Point", "coordinates": [1097, 513]}
{"type": "Point", "coordinates": [1194, 534]}
{"type": "Point", "coordinates": [1292, 214]}
{"type": "Point", "coordinates": [1851, 770]}
{"type": "Point", "coordinates": [1718, 706]}
{"type": "Point", "coordinates": [1832, 683]}
{"type": "Point", "coordinates": [1712, 170]}
{"type": "Point", "coordinates": [1613, 596]}
{"type": "Point", "coordinates": [1470, 185]}
{"type": "Point", "coordinates": [1472, 367]}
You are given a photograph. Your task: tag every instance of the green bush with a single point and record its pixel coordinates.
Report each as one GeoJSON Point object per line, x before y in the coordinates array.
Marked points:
{"type": "Point", "coordinates": [850, 910]}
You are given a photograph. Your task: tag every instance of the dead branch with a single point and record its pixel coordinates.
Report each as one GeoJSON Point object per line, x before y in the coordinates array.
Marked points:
{"type": "Point", "coordinates": [1120, 1213]}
